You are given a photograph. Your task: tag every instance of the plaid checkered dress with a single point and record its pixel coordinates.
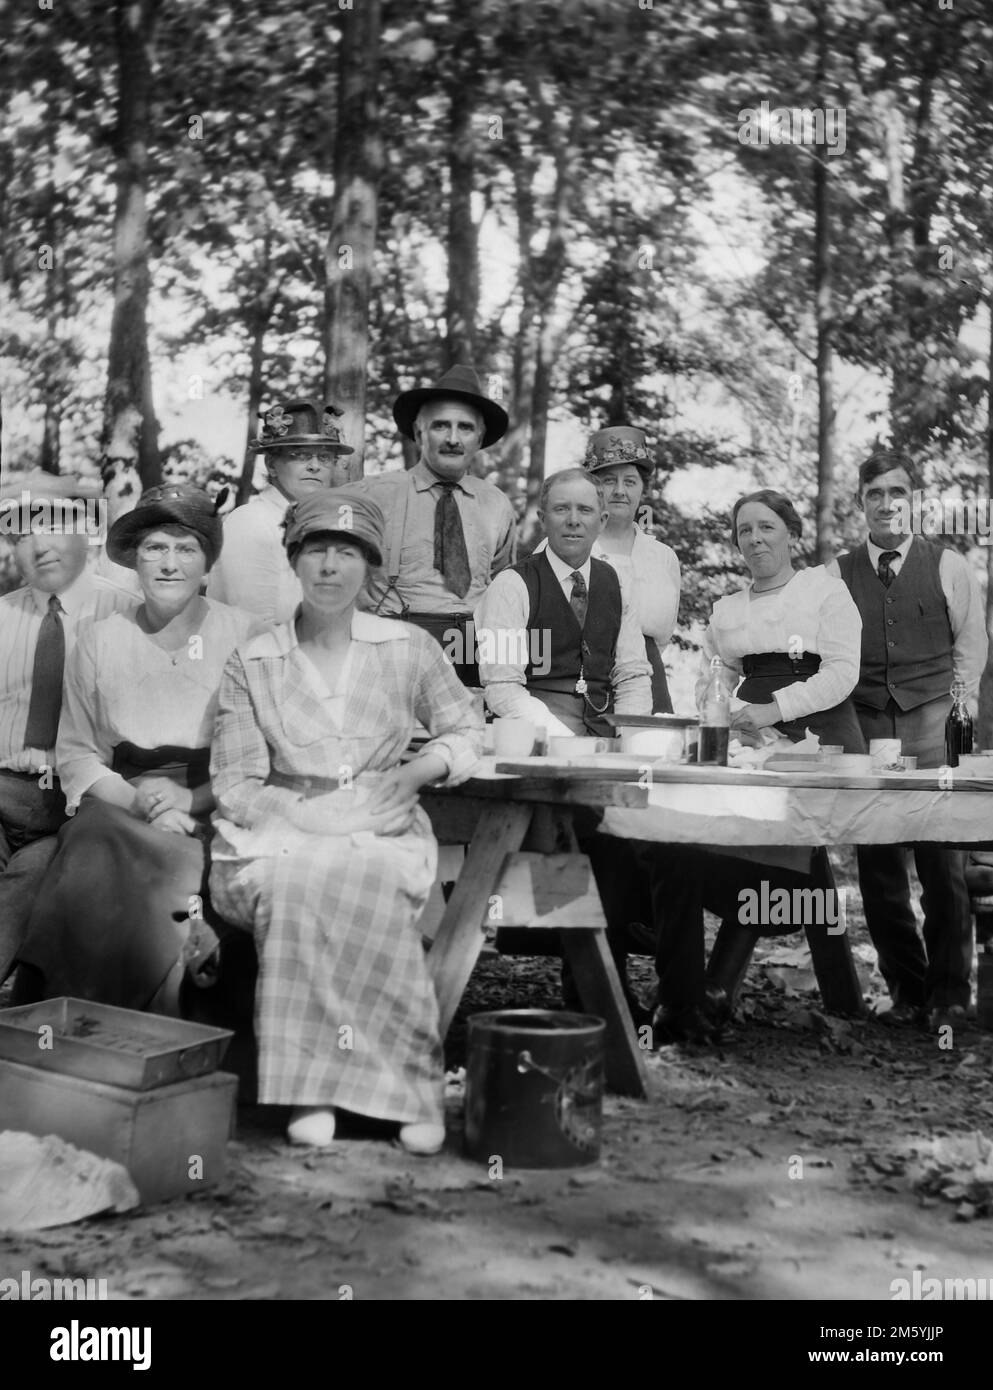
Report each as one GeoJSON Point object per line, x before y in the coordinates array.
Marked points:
{"type": "Point", "coordinates": [346, 1013]}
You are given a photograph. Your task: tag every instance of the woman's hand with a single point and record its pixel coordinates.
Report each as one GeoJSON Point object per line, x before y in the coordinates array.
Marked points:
{"type": "Point", "coordinates": [754, 718]}
{"type": "Point", "coordinates": [158, 795]}
{"type": "Point", "coordinates": [175, 822]}
{"type": "Point", "coordinates": [397, 788]}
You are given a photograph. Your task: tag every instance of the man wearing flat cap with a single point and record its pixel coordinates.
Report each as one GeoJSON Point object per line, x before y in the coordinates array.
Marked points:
{"type": "Point", "coordinates": [304, 452]}
{"type": "Point", "coordinates": [448, 533]}
{"type": "Point", "coordinates": [52, 541]}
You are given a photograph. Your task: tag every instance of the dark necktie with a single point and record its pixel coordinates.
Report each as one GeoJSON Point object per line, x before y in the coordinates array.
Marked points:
{"type": "Point", "coordinates": [46, 680]}
{"type": "Point", "coordinates": [580, 597]}
{"type": "Point", "coordinates": [886, 566]}
{"type": "Point", "coordinates": [451, 558]}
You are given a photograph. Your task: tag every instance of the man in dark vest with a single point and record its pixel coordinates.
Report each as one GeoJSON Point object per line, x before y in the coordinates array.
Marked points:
{"type": "Point", "coordinates": [559, 641]}
{"type": "Point", "coordinates": [922, 627]}
{"type": "Point", "coordinates": [561, 646]}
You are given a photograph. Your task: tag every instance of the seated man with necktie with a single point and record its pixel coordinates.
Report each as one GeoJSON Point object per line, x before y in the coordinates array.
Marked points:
{"type": "Point", "coordinates": [447, 532]}
{"type": "Point", "coordinates": [569, 649]}
{"type": "Point", "coordinates": [38, 626]}
{"type": "Point", "coordinates": [565, 634]}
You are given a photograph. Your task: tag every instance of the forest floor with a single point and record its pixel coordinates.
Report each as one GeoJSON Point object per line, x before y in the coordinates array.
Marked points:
{"type": "Point", "coordinates": [809, 1157]}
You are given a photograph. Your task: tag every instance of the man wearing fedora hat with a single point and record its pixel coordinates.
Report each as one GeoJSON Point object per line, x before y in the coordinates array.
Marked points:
{"type": "Point", "coordinates": [52, 544]}
{"type": "Point", "coordinates": [304, 452]}
{"type": "Point", "coordinates": [448, 532]}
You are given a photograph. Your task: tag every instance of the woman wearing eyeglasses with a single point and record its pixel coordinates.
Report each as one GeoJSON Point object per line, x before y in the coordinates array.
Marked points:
{"type": "Point", "coordinates": [304, 453]}
{"type": "Point", "coordinates": [133, 753]}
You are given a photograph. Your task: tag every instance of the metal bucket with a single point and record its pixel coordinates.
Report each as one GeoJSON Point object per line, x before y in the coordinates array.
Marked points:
{"type": "Point", "coordinates": [534, 1088]}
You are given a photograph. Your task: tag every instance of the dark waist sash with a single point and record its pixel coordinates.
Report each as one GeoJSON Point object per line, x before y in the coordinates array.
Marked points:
{"type": "Point", "coordinates": [767, 672]}
{"type": "Point", "coordinates": [190, 766]}
{"type": "Point", "coordinates": [798, 668]}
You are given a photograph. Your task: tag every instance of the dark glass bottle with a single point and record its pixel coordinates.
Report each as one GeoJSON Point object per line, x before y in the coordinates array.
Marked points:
{"type": "Point", "coordinates": [715, 717]}
{"type": "Point", "coordinates": [958, 726]}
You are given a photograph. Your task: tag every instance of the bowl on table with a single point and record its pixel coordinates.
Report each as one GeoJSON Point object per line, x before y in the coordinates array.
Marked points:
{"type": "Point", "coordinates": [579, 747]}
{"type": "Point", "coordinates": [852, 764]}
{"type": "Point", "coordinates": [663, 737]}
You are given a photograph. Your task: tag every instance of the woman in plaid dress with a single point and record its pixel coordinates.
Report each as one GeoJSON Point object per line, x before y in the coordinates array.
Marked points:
{"type": "Point", "coordinates": [321, 848]}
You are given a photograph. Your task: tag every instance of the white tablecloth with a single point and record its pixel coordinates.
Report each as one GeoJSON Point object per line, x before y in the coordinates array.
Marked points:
{"type": "Point", "coordinates": [739, 816]}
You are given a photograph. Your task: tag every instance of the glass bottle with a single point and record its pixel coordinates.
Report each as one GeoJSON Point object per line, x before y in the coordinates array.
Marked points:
{"type": "Point", "coordinates": [958, 726]}
{"type": "Point", "coordinates": [715, 717]}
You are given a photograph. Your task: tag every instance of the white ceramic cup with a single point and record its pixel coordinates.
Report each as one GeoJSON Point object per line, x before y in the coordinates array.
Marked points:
{"type": "Point", "coordinates": [884, 752]}
{"type": "Point", "coordinates": [513, 738]}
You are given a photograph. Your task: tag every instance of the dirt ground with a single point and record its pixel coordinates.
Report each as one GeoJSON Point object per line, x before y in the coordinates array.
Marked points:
{"type": "Point", "coordinates": [808, 1158]}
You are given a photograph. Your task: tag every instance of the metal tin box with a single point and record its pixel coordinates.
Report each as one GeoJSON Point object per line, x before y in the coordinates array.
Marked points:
{"type": "Point", "coordinates": [172, 1140]}
{"type": "Point", "coordinates": [120, 1047]}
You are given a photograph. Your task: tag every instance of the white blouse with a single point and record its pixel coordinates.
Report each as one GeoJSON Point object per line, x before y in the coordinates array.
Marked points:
{"type": "Point", "coordinates": [121, 687]}
{"type": "Point", "coordinates": [812, 613]}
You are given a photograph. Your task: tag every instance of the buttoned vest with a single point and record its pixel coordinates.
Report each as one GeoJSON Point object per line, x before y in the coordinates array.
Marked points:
{"type": "Point", "coordinates": [557, 634]}
{"type": "Point", "coordinates": [906, 631]}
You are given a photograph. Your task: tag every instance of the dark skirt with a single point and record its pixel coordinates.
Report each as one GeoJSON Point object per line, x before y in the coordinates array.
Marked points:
{"type": "Point", "coordinates": [112, 915]}
{"type": "Point", "coordinates": [661, 699]}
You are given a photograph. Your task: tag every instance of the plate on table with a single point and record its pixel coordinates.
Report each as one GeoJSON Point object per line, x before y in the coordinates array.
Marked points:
{"type": "Point", "coordinates": [800, 762]}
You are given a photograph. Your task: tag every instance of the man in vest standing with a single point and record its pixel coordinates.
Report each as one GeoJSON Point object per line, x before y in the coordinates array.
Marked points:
{"type": "Point", "coordinates": [447, 532]}
{"type": "Point", "coordinates": [922, 626]}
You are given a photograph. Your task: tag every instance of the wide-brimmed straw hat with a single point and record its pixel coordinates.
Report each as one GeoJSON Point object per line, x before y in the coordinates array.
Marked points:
{"type": "Point", "coordinates": [618, 445]}
{"type": "Point", "coordinates": [300, 424]}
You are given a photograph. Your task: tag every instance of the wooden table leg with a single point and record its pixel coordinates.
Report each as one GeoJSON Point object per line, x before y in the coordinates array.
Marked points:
{"type": "Point", "coordinates": [459, 939]}
{"type": "Point", "coordinates": [599, 987]}
{"type": "Point", "coordinates": [837, 979]}
{"type": "Point", "coordinates": [831, 952]}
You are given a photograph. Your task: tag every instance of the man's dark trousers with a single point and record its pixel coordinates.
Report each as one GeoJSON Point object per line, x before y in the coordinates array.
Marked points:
{"type": "Point", "coordinates": [30, 817]}
{"type": "Point", "coordinates": [936, 972]}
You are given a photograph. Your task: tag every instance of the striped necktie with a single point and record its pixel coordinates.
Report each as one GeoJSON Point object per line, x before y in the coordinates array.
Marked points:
{"type": "Point", "coordinates": [580, 597]}
{"type": "Point", "coordinates": [46, 680]}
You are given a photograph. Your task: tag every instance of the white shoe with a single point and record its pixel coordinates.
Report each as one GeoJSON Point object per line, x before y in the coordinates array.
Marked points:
{"type": "Point", "coordinates": [311, 1125]}
{"type": "Point", "coordinates": [422, 1139]}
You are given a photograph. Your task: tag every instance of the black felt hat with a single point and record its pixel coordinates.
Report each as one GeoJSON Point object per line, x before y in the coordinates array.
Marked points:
{"type": "Point", "coordinates": [460, 384]}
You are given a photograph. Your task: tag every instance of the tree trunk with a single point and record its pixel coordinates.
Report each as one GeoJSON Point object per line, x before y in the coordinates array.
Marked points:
{"type": "Point", "coordinates": [358, 162]}
{"type": "Point", "coordinates": [824, 311]}
{"type": "Point", "coordinates": [984, 733]}
{"type": "Point", "coordinates": [55, 278]}
{"type": "Point", "coordinates": [256, 357]}
{"type": "Point", "coordinates": [525, 348]}
{"type": "Point", "coordinates": [130, 427]}
{"type": "Point", "coordinates": [462, 299]}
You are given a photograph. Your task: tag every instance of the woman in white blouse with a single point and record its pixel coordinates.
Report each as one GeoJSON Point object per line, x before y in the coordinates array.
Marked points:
{"type": "Point", "coordinates": [621, 458]}
{"type": "Point", "coordinates": [133, 754]}
{"type": "Point", "coordinates": [795, 637]}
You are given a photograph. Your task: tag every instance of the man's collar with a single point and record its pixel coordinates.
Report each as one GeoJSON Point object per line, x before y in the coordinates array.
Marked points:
{"type": "Point", "coordinates": [876, 550]}
{"type": "Point", "coordinates": [71, 598]}
{"type": "Point", "coordinates": [424, 478]}
{"type": "Point", "coordinates": [562, 570]}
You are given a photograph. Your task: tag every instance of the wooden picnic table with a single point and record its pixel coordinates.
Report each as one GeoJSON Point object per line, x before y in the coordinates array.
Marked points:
{"type": "Point", "coordinates": [523, 867]}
